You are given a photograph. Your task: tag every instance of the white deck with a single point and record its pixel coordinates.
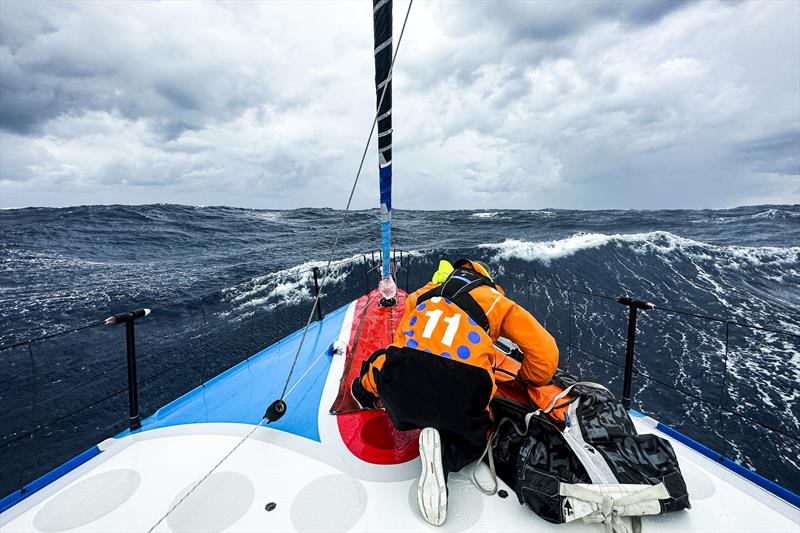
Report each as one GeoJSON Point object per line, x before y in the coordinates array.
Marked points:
{"type": "Point", "coordinates": [321, 486]}
{"type": "Point", "coordinates": [325, 489]}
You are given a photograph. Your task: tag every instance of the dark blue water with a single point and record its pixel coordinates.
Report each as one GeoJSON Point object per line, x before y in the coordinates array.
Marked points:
{"type": "Point", "coordinates": [225, 282]}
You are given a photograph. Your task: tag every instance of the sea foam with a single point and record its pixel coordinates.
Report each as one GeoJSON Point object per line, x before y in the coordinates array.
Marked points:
{"type": "Point", "coordinates": [661, 242]}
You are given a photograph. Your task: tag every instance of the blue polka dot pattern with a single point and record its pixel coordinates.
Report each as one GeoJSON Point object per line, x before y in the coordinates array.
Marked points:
{"type": "Point", "coordinates": [426, 350]}
{"type": "Point", "coordinates": [474, 337]}
{"type": "Point", "coordinates": [463, 352]}
{"type": "Point", "coordinates": [409, 333]}
{"type": "Point", "coordinates": [472, 321]}
{"type": "Point", "coordinates": [412, 321]}
{"type": "Point", "coordinates": [448, 302]}
{"type": "Point", "coordinates": [411, 343]}
{"type": "Point", "coordinates": [445, 354]}
{"type": "Point", "coordinates": [420, 307]}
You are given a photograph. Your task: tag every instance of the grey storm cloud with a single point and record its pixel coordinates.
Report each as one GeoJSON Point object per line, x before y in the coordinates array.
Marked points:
{"type": "Point", "coordinates": [530, 32]}
{"type": "Point", "coordinates": [59, 58]}
{"type": "Point", "coordinates": [520, 21]}
{"type": "Point", "coordinates": [777, 153]}
{"type": "Point", "coordinates": [586, 104]}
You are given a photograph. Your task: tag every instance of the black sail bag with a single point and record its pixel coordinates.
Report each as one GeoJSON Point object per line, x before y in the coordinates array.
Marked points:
{"type": "Point", "coordinates": [594, 467]}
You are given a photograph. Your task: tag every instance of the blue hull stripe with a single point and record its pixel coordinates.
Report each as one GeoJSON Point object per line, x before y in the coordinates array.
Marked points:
{"type": "Point", "coordinates": [749, 475]}
{"type": "Point", "coordinates": [38, 484]}
{"type": "Point", "coordinates": [240, 395]}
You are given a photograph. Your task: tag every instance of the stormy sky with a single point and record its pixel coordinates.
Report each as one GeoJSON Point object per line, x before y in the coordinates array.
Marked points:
{"type": "Point", "coordinates": [587, 104]}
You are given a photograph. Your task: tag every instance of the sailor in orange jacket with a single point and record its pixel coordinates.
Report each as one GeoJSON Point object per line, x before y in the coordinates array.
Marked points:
{"type": "Point", "coordinates": [437, 374]}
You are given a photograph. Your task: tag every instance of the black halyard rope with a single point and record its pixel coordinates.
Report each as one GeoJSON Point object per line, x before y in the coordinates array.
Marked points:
{"type": "Point", "coordinates": [316, 299]}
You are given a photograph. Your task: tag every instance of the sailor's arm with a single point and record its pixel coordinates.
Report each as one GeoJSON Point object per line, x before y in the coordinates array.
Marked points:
{"type": "Point", "coordinates": [537, 345]}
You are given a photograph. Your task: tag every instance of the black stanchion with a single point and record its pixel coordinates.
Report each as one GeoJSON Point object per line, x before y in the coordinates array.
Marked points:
{"type": "Point", "coordinates": [130, 342]}
{"type": "Point", "coordinates": [315, 271]}
{"type": "Point", "coordinates": [633, 308]}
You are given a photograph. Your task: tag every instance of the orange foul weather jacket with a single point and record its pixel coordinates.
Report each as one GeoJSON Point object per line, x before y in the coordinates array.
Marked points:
{"type": "Point", "coordinates": [442, 328]}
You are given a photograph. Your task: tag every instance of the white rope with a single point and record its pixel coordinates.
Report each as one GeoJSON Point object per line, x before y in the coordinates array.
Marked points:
{"type": "Point", "coordinates": [492, 472]}
{"type": "Point", "coordinates": [566, 391]}
{"type": "Point", "coordinates": [487, 452]}
{"type": "Point", "coordinates": [312, 365]}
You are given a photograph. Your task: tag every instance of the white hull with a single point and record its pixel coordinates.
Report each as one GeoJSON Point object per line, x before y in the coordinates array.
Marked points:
{"type": "Point", "coordinates": [320, 485]}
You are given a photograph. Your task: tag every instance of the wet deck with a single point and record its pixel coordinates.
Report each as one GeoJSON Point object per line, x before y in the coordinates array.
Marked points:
{"type": "Point", "coordinates": [303, 466]}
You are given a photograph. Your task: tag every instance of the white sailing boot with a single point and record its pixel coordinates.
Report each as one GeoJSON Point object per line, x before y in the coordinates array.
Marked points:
{"type": "Point", "coordinates": [432, 491]}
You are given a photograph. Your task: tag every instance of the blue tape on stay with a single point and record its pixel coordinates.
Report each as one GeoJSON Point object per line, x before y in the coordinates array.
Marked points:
{"type": "Point", "coordinates": [386, 235]}
{"type": "Point", "coordinates": [386, 187]}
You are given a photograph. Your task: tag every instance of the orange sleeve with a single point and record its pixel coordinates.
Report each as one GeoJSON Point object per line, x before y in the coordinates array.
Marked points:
{"type": "Point", "coordinates": [537, 345]}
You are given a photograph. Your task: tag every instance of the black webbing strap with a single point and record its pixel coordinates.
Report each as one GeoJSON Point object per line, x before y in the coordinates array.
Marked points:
{"type": "Point", "coordinates": [457, 291]}
{"type": "Point", "coordinates": [468, 287]}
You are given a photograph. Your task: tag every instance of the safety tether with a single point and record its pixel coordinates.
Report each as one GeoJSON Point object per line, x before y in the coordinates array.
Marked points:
{"type": "Point", "coordinates": [487, 451]}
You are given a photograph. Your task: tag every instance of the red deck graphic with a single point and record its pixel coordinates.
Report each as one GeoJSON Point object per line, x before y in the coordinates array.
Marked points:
{"type": "Point", "coordinates": [370, 435]}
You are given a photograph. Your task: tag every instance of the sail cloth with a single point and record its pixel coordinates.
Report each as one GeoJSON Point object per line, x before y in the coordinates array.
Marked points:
{"type": "Point", "coordinates": [382, 29]}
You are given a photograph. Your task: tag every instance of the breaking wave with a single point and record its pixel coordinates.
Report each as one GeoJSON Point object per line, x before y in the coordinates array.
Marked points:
{"type": "Point", "coordinates": [766, 215]}
{"type": "Point", "coordinates": [288, 287]}
{"type": "Point", "coordinates": [661, 242]}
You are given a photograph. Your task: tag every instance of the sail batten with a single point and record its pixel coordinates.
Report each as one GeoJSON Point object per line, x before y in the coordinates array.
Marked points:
{"type": "Point", "coordinates": [383, 47]}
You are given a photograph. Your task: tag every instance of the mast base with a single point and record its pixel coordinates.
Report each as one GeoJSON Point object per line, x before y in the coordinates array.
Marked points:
{"type": "Point", "coordinates": [388, 302]}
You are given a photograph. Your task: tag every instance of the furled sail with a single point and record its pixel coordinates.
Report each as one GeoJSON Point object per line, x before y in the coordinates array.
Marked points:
{"type": "Point", "coordinates": [382, 28]}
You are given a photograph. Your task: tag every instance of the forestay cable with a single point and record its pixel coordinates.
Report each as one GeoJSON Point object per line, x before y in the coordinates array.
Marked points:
{"type": "Point", "coordinates": [347, 208]}
{"type": "Point", "coordinates": [207, 475]}
{"type": "Point", "coordinates": [321, 287]}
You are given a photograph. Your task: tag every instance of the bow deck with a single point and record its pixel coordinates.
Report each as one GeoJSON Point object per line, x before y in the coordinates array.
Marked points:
{"type": "Point", "coordinates": [313, 471]}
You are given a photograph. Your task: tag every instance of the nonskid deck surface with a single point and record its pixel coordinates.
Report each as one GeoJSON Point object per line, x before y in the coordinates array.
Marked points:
{"type": "Point", "coordinates": [314, 480]}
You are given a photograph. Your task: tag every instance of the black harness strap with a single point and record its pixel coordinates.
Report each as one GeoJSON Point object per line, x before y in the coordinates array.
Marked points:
{"type": "Point", "coordinates": [457, 288]}
{"type": "Point", "coordinates": [467, 288]}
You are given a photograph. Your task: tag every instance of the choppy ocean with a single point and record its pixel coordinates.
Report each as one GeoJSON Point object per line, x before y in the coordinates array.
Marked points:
{"type": "Point", "coordinates": [225, 282]}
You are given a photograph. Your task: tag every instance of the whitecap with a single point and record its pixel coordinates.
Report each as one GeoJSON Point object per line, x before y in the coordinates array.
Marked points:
{"type": "Point", "coordinates": [661, 242]}
{"type": "Point", "coordinates": [547, 251]}
{"type": "Point", "coordinates": [542, 213]}
{"type": "Point", "coordinates": [773, 213]}
{"type": "Point", "coordinates": [289, 286]}
{"type": "Point", "coordinates": [769, 214]}
{"type": "Point", "coordinates": [269, 216]}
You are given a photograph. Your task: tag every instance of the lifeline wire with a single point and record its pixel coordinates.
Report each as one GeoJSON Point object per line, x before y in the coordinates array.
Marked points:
{"type": "Point", "coordinates": [322, 284]}
{"type": "Point", "coordinates": [207, 475]}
